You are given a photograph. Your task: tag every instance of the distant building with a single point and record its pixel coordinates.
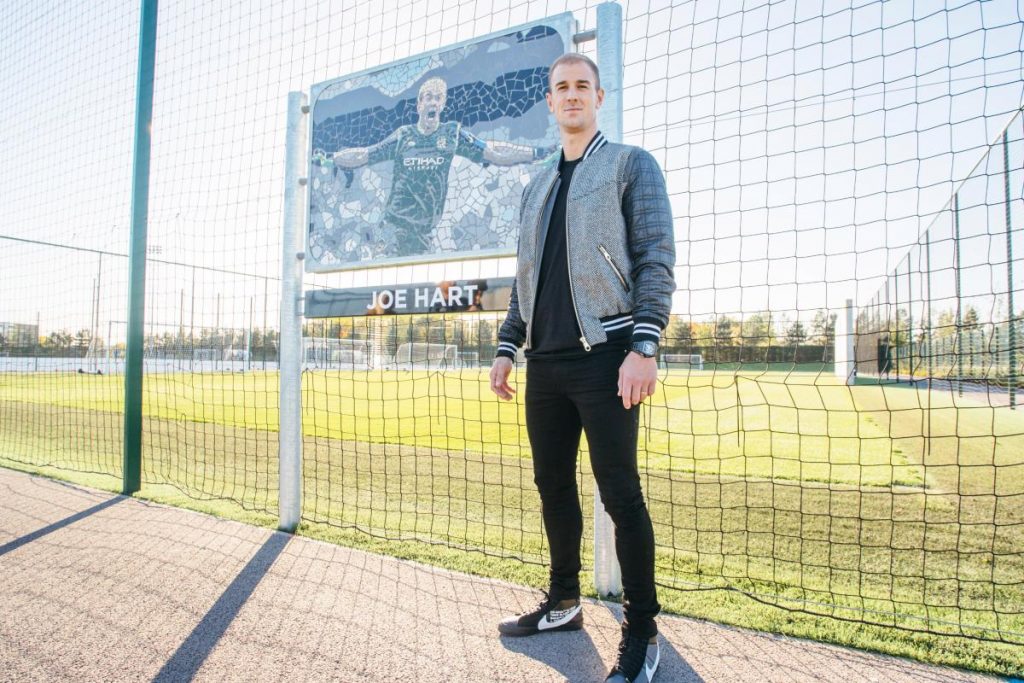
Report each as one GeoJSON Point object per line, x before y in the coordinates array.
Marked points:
{"type": "Point", "coordinates": [19, 334]}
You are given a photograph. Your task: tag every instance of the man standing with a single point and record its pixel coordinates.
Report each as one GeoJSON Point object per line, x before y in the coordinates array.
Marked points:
{"type": "Point", "coordinates": [593, 292]}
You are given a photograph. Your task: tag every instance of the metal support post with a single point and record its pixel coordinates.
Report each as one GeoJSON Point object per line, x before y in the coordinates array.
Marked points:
{"type": "Point", "coordinates": [928, 304]}
{"type": "Point", "coordinates": [132, 463]}
{"type": "Point", "coordinates": [607, 572]}
{"type": "Point", "coordinates": [1011, 374]}
{"type": "Point", "coordinates": [290, 435]}
{"type": "Point", "coordinates": [959, 301]}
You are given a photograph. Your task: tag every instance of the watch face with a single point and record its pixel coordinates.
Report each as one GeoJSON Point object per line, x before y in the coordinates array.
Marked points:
{"type": "Point", "coordinates": [645, 348]}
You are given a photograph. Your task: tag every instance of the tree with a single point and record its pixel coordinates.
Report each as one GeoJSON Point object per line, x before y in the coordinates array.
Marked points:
{"type": "Point", "coordinates": [724, 330]}
{"type": "Point", "coordinates": [459, 335]}
{"type": "Point", "coordinates": [437, 332]}
{"type": "Point", "coordinates": [703, 333]}
{"type": "Point", "coordinates": [946, 325]}
{"type": "Point", "coordinates": [482, 336]}
{"type": "Point", "coordinates": [679, 335]}
{"type": "Point", "coordinates": [824, 327]}
{"type": "Point", "coordinates": [58, 342]}
{"type": "Point", "coordinates": [756, 329]}
{"type": "Point", "coordinates": [420, 329]}
{"type": "Point", "coordinates": [796, 334]}
{"type": "Point", "coordinates": [924, 334]}
{"type": "Point", "coordinates": [970, 319]}
{"type": "Point", "coordinates": [899, 328]}
{"type": "Point", "coordinates": [779, 329]}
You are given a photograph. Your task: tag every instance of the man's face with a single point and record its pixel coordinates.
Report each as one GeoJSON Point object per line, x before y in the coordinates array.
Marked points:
{"type": "Point", "coordinates": [429, 105]}
{"type": "Point", "coordinates": [574, 99]}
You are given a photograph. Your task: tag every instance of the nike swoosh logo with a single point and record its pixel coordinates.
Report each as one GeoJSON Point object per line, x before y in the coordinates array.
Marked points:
{"type": "Point", "coordinates": [562, 617]}
{"type": "Point", "coordinates": [650, 669]}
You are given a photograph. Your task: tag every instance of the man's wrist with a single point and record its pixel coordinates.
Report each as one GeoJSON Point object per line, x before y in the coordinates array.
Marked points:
{"type": "Point", "coordinates": [506, 350]}
{"type": "Point", "coordinates": [644, 348]}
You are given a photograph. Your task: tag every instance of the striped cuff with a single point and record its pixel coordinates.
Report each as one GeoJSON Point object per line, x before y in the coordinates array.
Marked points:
{"type": "Point", "coordinates": [617, 323]}
{"type": "Point", "coordinates": [646, 329]}
{"type": "Point", "coordinates": [506, 350]}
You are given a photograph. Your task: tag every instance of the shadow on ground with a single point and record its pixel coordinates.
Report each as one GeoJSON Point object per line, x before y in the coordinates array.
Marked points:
{"type": "Point", "coordinates": [186, 661]}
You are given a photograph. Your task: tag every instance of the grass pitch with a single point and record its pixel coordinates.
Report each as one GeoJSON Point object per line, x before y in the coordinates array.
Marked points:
{"type": "Point", "coordinates": [885, 504]}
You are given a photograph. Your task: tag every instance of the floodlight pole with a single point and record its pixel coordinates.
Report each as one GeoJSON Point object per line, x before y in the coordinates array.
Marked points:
{"type": "Point", "coordinates": [1011, 375]}
{"type": "Point", "coordinates": [607, 572]}
{"type": "Point", "coordinates": [959, 300]}
{"type": "Point", "coordinates": [290, 343]}
{"type": "Point", "coordinates": [132, 463]}
{"type": "Point", "coordinates": [928, 302]}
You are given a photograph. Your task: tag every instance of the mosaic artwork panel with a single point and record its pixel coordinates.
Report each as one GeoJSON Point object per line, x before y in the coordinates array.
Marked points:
{"type": "Point", "coordinates": [426, 159]}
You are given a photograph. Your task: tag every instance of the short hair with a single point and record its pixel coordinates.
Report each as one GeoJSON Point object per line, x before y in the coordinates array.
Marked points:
{"type": "Point", "coordinates": [575, 58]}
{"type": "Point", "coordinates": [434, 84]}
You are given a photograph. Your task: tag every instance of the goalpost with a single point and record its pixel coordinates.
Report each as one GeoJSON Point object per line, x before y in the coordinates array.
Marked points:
{"type": "Point", "coordinates": [424, 356]}
{"type": "Point", "coordinates": [683, 361]}
{"type": "Point", "coordinates": [342, 354]}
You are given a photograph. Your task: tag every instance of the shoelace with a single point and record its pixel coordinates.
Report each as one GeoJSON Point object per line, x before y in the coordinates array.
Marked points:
{"type": "Point", "coordinates": [545, 604]}
{"type": "Point", "coordinates": [632, 652]}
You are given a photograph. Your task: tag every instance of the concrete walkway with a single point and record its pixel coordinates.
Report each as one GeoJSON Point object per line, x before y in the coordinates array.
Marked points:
{"type": "Point", "coordinates": [95, 587]}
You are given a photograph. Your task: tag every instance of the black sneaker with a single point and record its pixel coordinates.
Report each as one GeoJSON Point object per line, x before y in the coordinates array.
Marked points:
{"type": "Point", "coordinates": [637, 660]}
{"type": "Point", "coordinates": [565, 615]}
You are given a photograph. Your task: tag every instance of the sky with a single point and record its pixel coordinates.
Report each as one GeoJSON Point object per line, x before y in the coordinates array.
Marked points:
{"type": "Point", "coordinates": [806, 145]}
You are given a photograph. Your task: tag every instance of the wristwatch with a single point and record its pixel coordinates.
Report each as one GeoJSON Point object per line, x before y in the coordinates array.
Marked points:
{"type": "Point", "coordinates": [646, 348]}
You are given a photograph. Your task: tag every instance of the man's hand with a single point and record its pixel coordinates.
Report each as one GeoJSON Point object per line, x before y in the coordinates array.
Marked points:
{"type": "Point", "coordinates": [638, 377]}
{"type": "Point", "coordinates": [500, 370]}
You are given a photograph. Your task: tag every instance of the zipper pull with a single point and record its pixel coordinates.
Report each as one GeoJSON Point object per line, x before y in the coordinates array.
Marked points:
{"type": "Point", "coordinates": [586, 346]}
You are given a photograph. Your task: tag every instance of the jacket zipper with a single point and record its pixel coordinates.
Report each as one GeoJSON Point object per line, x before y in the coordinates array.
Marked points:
{"type": "Point", "coordinates": [568, 265]}
{"type": "Point", "coordinates": [615, 269]}
{"type": "Point", "coordinates": [536, 277]}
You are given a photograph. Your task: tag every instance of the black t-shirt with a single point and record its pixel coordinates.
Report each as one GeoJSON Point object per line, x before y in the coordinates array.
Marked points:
{"type": "Point", "coordinates": [555, 327]}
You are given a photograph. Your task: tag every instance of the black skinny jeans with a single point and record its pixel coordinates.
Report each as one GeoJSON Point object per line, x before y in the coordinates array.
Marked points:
{"type": "Point", "coordinates": [564, 398]}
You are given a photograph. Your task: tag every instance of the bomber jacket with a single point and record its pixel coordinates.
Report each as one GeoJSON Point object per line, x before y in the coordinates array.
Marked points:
{"type": "Point", "coordinates": [619, 243]}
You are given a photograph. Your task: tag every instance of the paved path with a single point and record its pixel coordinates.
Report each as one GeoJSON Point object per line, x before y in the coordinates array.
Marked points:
{"type": "Point", "coordinates": [95, 587]}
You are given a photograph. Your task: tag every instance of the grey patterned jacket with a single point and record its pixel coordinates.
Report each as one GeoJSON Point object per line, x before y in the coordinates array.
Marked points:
{"type": "Point", "coordinates": [619, 242]}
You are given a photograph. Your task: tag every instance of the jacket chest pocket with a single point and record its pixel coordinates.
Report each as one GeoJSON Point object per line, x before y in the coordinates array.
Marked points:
{"type": "Point", "coordinates": [585, 187]}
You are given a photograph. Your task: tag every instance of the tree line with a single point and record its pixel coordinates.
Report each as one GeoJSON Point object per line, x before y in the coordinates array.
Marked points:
{"type": "Point", "coordinates": [723, 338]}
{"type": "Point", "coordinates": [261, 343]}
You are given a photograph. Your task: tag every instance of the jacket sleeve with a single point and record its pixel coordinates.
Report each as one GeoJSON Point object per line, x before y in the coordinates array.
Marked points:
{"type": "Point", "coordinates": [512, 333]}
{"type": "Point", "coordinates": [648, 216]}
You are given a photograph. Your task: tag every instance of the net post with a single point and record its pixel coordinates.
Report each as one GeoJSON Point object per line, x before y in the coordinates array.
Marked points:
{"type": "Point", "coordinates": [959, 300]}
{"type": "Point", "coordinates": [845, 358]}
{"type": "Point", "coordinates": [290, 378]}
{"type": "Point", "coordinates": [1011, 373]}
{"type": "Point", "coordinates": [910, 323]}
{"type": "Point", "coordinates": [928, 304]}
{"type": "Point", "coordinates": [607, 572]}
{"type": "Point", "coordinates": [894, 329]}
{"type": "Point", "coordinates": [132, 453]}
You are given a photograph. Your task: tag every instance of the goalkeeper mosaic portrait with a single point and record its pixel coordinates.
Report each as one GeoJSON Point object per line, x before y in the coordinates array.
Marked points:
{"type": "Point", "coordinates": [426, 160]}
